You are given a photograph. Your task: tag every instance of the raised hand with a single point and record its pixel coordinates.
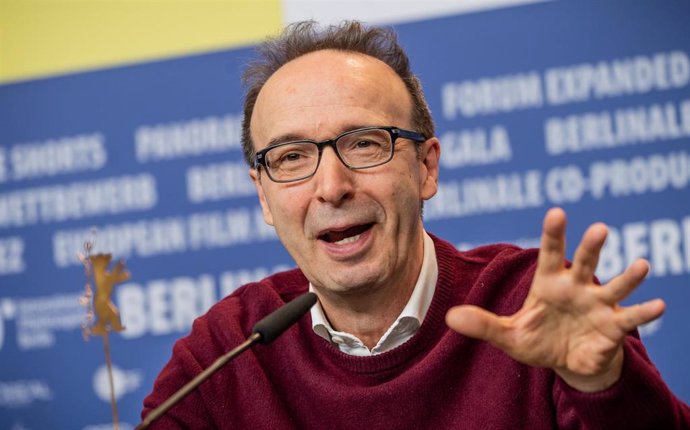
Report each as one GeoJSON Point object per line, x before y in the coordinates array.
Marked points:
{"type": "Point", "coordinates": [567, 322]}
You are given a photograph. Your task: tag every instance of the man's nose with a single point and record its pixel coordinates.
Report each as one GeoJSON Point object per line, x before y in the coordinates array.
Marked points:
{"type": "Point", "coordinates": [334, 180]}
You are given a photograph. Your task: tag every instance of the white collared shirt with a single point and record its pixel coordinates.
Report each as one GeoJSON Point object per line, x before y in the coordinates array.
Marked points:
{"type": "Point", "coordinates": [403, 328]}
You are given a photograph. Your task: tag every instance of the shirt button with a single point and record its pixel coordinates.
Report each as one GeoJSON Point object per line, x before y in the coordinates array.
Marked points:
{"type": "Point", "coordinates": [337, 339]}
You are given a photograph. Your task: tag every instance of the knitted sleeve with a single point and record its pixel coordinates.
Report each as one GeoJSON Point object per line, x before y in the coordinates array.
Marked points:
{"type": "Point", "coordinates": [639, 400]}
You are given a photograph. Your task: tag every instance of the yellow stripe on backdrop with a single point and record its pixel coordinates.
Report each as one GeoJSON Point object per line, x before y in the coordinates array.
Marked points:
{"type": "Point", "coordinates": [41, 38]}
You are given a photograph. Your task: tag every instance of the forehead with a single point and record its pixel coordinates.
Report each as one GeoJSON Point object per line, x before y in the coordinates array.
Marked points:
{"type": "Point", "coordinates": [327, 92]}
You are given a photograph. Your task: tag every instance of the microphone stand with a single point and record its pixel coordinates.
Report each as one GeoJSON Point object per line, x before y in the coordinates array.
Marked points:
{"type": "Point", "coordinates": [265, 331]}
{"type": "Point", "coordinates": [201, 377]}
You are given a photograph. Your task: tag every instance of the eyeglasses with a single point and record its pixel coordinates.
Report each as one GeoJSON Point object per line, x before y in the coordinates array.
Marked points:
{"type": "Point", "coordinates": [357, 149]}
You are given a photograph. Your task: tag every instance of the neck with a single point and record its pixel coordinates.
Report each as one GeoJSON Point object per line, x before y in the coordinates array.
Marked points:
{"type": "Point", "coordinates": [369, 317]}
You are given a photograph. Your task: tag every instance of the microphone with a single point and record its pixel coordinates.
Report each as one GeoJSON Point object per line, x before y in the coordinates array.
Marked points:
{"type": "Point", "coordinates": [264, 332]}
{"type": "Point", "coordinates": [278, 321]}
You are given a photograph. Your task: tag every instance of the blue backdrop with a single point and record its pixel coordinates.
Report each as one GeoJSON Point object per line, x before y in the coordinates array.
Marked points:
{"type": "Point", "coordinates": [585, 105]}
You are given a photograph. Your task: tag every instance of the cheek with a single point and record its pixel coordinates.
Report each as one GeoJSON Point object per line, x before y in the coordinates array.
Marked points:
{"type": "Point", "coordinates": [403, 195]}
{"type": "Point", "coordinates": [289, 209]}
{"type": "Point", "coordinates": [406, 183]}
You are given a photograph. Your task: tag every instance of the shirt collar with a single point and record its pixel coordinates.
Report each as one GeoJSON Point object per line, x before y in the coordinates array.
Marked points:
{"type": "Point", "coordinates": [403, 328]}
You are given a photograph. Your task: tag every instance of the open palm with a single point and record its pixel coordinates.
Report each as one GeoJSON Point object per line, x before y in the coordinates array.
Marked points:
{"type": "Point", "coordinates": [567, 322]}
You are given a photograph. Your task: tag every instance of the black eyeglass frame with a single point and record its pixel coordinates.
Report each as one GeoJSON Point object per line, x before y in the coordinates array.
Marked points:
{"type": "Point", "coordinates": [394, 132]}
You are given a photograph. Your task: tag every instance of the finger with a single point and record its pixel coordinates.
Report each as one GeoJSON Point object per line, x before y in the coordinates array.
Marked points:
{"type": "Point", "coordinates": [587, 253]}
{"type": "Point", "coordinates": [552, 248]}
{"type": "Point", "coordinates": [476, 322]}
{"type": "Point", "coordinates": [622, 285]}
{"type": "Point", "coordinates": [631, 317]}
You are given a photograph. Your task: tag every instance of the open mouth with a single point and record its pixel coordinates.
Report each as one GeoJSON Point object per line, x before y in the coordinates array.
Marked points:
{"type": "Point", "coordinates": [343, 237]}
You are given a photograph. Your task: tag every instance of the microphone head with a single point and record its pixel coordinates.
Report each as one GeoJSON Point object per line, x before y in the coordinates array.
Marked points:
{"type": "Point", "coordinates": [282, 318]}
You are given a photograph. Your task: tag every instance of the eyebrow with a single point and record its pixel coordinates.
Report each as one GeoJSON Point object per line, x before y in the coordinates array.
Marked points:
{"type": "Point", "coordinates": [291, 137]}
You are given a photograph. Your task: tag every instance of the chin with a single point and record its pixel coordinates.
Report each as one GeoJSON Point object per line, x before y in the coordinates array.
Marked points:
{"type": "Point", "coordinates": [348, 284]}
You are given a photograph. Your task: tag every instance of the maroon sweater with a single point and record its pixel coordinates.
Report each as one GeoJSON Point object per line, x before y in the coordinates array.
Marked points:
{"type": "Point", "coordinates": [438, 379]}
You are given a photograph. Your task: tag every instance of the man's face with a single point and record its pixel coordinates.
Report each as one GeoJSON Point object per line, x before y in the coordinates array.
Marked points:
{"type": "Point", "coordinates": [350, 231]}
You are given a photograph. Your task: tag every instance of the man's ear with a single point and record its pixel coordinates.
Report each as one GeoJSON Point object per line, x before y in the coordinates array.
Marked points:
{"type": "Point", "coordinates": [256, 179]}
{"type": "Point", "coordinates": [429, 154]}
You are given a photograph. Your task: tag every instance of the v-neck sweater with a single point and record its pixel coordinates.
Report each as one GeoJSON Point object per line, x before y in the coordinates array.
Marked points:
{"type": "Point", "coordinates": [437, 379]}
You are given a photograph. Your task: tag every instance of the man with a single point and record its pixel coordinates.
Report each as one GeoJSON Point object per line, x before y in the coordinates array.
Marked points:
{"type": "Point", "coordinates": [343, 153]}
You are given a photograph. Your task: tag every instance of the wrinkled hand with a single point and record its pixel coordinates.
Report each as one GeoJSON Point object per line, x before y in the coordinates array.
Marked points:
{"type": "Point", "coordinates": [567, 323]}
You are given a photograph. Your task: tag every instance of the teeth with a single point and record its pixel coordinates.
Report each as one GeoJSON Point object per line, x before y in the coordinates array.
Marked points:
{"type": "Point", "coordinates": [348, 240]}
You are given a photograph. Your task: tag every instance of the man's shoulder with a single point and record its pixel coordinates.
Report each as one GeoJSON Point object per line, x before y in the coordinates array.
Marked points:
{"type": "Point", "coordinates": [251, 302]}
{"type": "Point", "coordinates": [497, 253]}
{"type": "Point", "coordinates": [287, 284]}
{"type": "Point", "coordinates": [495, 277]}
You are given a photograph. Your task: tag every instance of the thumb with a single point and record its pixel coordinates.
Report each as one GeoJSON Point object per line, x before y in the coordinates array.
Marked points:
{"type": "Point", "coordinates": [475, 322]}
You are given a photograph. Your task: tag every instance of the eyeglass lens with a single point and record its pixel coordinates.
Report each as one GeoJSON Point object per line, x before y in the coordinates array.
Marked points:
{"type": "Point", "coordinates": [359, 149]}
